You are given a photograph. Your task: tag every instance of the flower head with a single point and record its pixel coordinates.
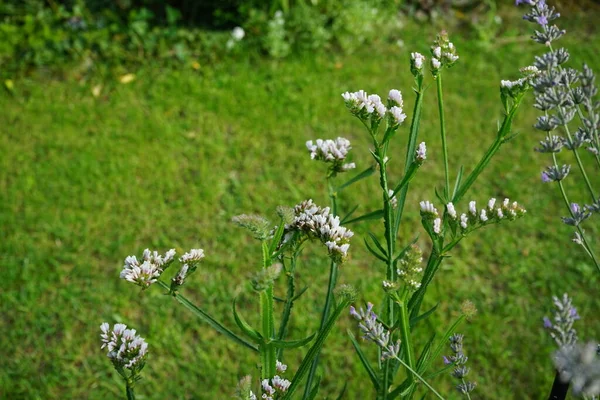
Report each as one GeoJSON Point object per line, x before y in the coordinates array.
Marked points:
{"type": "Point", "coordinates": [149, 270]}
{"type": "Point", "coordinates": [331, 151]}
{"type": "Point", "coordinates": [125, 348]}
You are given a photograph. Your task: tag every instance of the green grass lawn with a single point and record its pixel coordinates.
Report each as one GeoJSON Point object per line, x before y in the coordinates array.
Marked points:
{"type": "Point", "coordinates": [168, 159]}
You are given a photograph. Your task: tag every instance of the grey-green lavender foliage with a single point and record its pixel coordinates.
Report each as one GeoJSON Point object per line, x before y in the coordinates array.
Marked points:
{"type": "Point", "coordinates": [570, 120]}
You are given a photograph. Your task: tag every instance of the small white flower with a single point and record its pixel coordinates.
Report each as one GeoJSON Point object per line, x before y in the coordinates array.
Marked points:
{"type": "Point", "coordinates": [463, 221]}
{"type": "Point", "coordinates": [437, 52]}
{"type": "Point", "coordinates": [418, 60]}
{"type": "Point", "coordinates": [499, 213]}
{"type": "Point", "coordinates": [451, 58]}
{"type": "Point", "coordinates": [397, 115]}
{"type": "Point", "coordinates": [396, 97]}
{"type": "Point", "coordinates": [428, 208]}
{"type": "Point", "coordinates": [267, 388]}
{"type": "Point", "coordinates": [281, 367]}
{"type": "Point", "coordinates": [437, 226]}
{"type": "Point", "coordinates": [483, 215]}
{"type": "Point", "coordinates": [280, 384]}
{"type": "Point", "coordinates": [238, 33]}
{"type": "Point", "coordinates": [435, 63]}
{"type": "Point", "coordinates": [421, 154]}
{"type": "Point", "coordinates": [578, 239]}
{"type": "Point", "coordinates": [473, 208]}
{"type": "Point", "coordinates": [491, 204]}
{"type": "Point", "coordinates": [193, 256]}
{"type": "Point", "coordinates": [451, 210]}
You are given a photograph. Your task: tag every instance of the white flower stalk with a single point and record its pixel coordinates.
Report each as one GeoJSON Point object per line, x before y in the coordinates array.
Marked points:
{"type": "Point", "coordinates": [451, 210]}
{"type": "Point", "coordinates": [147, 272]}
{"type": "Point", "coordinates": [475, 218]}
{"type": "Point", "coordinates": [365, 106]}
{"type": "Point", "coordinates": [125, 348]}
{"type": "Point", "coordinates": [421, 152]}
{"type": "Point", "coordinates": [331, 151]}
{"type": "Point", "coordinates": [318, 223]}
{"type": "Point", "coordinates": [443, 51]}
{"type": "Point", "coordinates": [464, 220]}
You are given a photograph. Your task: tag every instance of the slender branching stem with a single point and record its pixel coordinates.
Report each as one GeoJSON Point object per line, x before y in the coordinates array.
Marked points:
{"type": "Point", "coordinates": [419, 377]}
{"type": "Point", "coordinates": [129, 390]}
{"type": "Point", "coordinates": [443, 134]}
{"type": "Point", "coordinates": [586, 245]}
{"type": "Point", "coordinates": [406, 337]}
{"type": "Point", "coordinates": [267, 349]}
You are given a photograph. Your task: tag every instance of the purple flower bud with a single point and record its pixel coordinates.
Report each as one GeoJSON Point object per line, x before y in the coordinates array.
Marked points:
{"type": "Point", "coordinates": [573, 313]}
{"type": "Point", "coordinates": [542, 20]}
{"type": "Point", "coordinates": [519, 2]}
{"type": "Point", "coordinates": [575, 208]}
{"type": "Point", "coordinates": [447, 361]}
{"type": "Point", "coordinates": [354, 313]}
{"type": "Point", "coordinates": [547, 323]}
{"type": "Point", "coordinates": [545, 177]}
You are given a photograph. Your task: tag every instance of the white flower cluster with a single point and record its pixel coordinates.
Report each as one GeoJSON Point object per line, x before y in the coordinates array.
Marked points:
{"type": "Point", "coordinates": [317, 222]}
{"type": "Point", "coordinates": [189, 262]}
{"type": "Point", "coordinates": [475, 218]}
{"type": "Point", "coordinates": [147, 272]}
{"type": "Point", "coordinates": [125, 348]}
{"type": "Point", "coordinates": [514, 87]}
{"type": "Point", "coordinates": [427, 209]}
{"type": "Point", "coordinates": [276, 385]}
{"type": "Point", "coordinates": [367, 106]}
{"type": "Point", "coordinates": [334, 151]}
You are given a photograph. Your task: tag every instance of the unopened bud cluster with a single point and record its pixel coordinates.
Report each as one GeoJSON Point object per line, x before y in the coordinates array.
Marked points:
{"type": "Point", "coordinates": [318, 223]}
{"type": "Point", "coordinates": [259, 226]}
{"type": "Point", "coordinates": [443, 53]}
{"type": "Point", "coordinates": [125, 348]}
{"type": "Point", "coordinates": [331, 151]}
{"type": "Point", "coordinates": [410, 268]}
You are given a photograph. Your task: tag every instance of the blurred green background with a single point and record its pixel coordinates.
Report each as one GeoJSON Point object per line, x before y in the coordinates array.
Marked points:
{"type": "Point", "coordinates": [117, 135]}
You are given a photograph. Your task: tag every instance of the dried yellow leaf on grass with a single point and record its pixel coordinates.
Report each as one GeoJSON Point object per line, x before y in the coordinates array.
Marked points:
{"type": "Point", "coordinates": [127, 78]}
{"type": "Point", "coordinates": [9, 84]}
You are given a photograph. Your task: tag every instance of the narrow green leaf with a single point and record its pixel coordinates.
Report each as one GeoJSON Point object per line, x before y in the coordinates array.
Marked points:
{"type": "Point", "coordinates": [413, 321]}
{"type": "Point", "coordinates": [377, 214]}
{"type": "Point", "coordinates": [365, 362]}
{"type": "Point", "coordinates": [364, 174]}
{"type": "Point", "coordinates": [341, 396]}
{"type": "Point", "coordinates": [374, 252]}
{"type": "Point", "coordinates": [402, 390]}
{"type": "Point", "coordinates": [292, 344]}
{"type": "Point", "coordinates": [458, 181]}
{"type": "Point", "coordinates": [315, 349]}
{"type": "Point", "coordinates": [314, 391]}
{"type": "Point", "coordinates": [348, 215]}
{"type": "Point", "coordinates": [377, 243]}
{"type": "Point", "coordinates": [296, 297]}
{"type": "Point", "coordinates": [244, 326]}
{"type": "Point", "coordinates": [209, 320]}
{"type": "Point", "coordinates": [276, 238]}
{"type": "Point", "coordinates": [424, 357]}
{"type": "Point", "coordinates": [404, 250]}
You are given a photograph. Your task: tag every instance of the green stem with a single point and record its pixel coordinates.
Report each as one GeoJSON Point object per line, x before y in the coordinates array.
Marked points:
{"type": "Point", "coordinates": [216, 325]}
{"type": "Point", "coordinates": [410, 152]}
{"type": "Point", "coordinates": [414, 305]}
{"type": "Point", "coordinates": [580, 165]}
{"type": "Point", "coordinates": [586, 246]}
{"type": "Point", "coordinates": [492, 150]}
{"type": "Point", "coordinates": [333, 273]}
{"type": "Point", "coordinates": [129, 391]}
{"type": "Point", "coordinates": [443, 133]}
{"type": "Point", "coordinates": [267, 350]}
{"type": "Point", "coordinates": [406, 338]}
{"type": "Point", "coordinates": [289, 303]}
{"type": "Point", "coordinates": [419, 377]}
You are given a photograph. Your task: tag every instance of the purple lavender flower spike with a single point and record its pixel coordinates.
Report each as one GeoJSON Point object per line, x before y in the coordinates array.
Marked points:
{"type": "Point", "coordinates": [542, 20]}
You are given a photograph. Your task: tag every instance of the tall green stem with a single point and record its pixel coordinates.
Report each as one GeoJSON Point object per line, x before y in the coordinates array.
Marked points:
{"type": "Point", "coordinates": [129, 391]}
{"type": "Point", "coordinates": [333, 273]}
{"type": "Point", "coordinates": [443, 133]}
{"type": "Point", "coordinates": [406, 338]}
{"type": "Point", "coordinates": [267, 350]}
